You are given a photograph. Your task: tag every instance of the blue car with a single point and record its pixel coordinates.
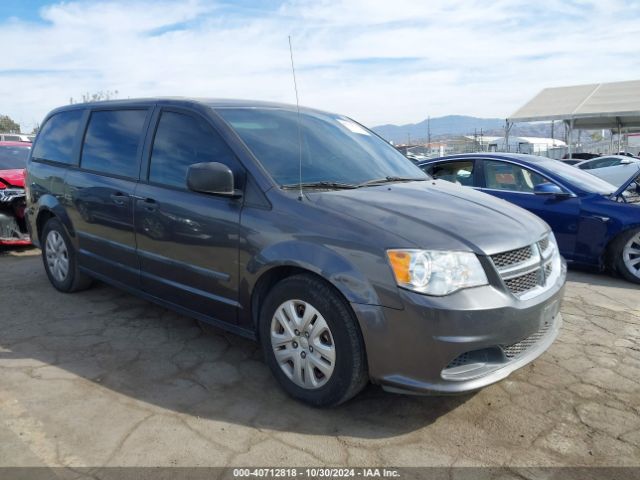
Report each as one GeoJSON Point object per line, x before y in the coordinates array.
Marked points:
{"type": "Point", "coordinates": [595, 223]}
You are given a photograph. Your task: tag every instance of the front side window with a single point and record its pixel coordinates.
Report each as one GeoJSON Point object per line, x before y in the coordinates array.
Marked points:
{"type": "Point", "coordinates": [511, 177]}
{"type": "Point", "coordinates": [180, 141]}
{"type": "Point", "coordinates": [333, 148]}
{"type": "Point", "coordinates": [457, 172]}
{"type": "Point", "coordinates": [112, 140]}
{"type": "Point", "coordinates": [56, 139]}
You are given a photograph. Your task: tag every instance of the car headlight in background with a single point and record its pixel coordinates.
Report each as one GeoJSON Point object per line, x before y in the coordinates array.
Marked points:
{"type": "Point", "coordinates": [436, 272]}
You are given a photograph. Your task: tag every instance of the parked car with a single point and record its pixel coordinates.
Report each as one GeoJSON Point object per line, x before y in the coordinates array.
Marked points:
{"type": "Point", "coordinates": [415, 157]}
{"type": "Point", "coordinates": [615, 169]}
{"type": "Point", "coordinates": [570, 161]}
{"type": "Point", "coordinates": [15, 137]}
{"type": "Point", "coordinates": [307, 232]}
{"type": "Point", "coordinates": [595, 223]}
{"type": "Point", "coordinates": [579, 156]}
{"type": "Point", "coordinates": [13, 161]}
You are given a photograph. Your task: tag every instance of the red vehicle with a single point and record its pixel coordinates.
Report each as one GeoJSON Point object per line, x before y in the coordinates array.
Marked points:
{"type": "Point", "coordinates": [13, 160]}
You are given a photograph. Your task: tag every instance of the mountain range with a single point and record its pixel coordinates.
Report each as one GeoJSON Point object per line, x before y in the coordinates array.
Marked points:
{"type": "Point", "coordinates": [451, 125]}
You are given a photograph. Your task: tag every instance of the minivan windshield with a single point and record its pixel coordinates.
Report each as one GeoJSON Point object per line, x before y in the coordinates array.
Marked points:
{"type": "Point", "coordinates": [336, 151]}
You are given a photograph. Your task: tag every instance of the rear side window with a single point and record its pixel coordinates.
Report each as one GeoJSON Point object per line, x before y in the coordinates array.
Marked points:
{"type": "Point", "coordinates": [112, 140]}
{"type": "Point", "coordinates": [56, 139]}
{"type": "Point", "coordinates": [180, 141]}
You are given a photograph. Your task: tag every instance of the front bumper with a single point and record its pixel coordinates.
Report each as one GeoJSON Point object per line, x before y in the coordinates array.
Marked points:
{"type": "Point", "coordinates": [458, 343]}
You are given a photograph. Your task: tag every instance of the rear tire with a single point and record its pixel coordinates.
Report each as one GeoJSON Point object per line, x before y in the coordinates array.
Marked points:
{"type": "Point", "coordinates": [625, 255]}
{"type": "Point", "coordinates": [318, 358]}
{"type": "Point", "coordinates": [60, 260]}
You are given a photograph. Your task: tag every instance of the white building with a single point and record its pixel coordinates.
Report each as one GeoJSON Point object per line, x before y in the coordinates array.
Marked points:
{"type": "Point", "coordinates": [549, 147]}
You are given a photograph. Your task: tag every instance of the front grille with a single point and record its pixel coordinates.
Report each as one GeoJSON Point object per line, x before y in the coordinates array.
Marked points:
{"type": "Point", "coordinates": [460, 360]}
{"type": "Point", "coordinates": [527, 268]}
{"type": "Point", "coordinates": [524, 282]}
{"type": "Point", "coordinates": [512, 257]}
{"type": "Point", "coordinates": [479, 357]}
{"type": "Point", "coordinates": [512, 351]}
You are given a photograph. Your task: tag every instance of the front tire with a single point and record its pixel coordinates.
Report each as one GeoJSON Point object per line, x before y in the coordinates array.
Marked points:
{"type": "Point", "coordinates": [312, 342]}
{"type": "Point", "coordinates": [60, 260]}
{"type": "Point", "coordinates": [626, 255]}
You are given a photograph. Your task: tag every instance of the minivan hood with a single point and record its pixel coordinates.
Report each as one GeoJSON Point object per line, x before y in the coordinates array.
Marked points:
{"type": "Point", "coordinates": [439, 215]}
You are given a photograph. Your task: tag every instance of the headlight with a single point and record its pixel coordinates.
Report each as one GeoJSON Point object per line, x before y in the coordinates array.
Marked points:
{"type": "Point", "coordinates": [436, 272]}
{"type": "Point", "coordinates": [556, 260]}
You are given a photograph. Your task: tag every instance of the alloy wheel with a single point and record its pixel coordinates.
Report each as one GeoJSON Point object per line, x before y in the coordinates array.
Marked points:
{"type": "Point", "coordinates": [631, 255]}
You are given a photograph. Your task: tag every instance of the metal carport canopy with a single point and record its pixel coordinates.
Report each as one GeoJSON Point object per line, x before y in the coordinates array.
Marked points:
{"type": "Point", "coordinates": [591, 107]}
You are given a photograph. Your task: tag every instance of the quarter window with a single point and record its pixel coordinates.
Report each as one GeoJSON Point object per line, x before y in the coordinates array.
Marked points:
{"type": "Point", "coordinates": [56, 139]}
{"type": "Point", "coordinates": [112, 140]}
{"type": "Point", "coordinates": [457, 172]}
{"type": "Point", "coordinates": [180, 141]}
{"type": "Point", "coordinates": [511, 177]}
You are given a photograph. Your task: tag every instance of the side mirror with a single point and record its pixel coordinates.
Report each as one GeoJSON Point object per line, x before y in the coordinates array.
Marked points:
{"type": "Point", "coordinates": [548, 188]}
{"type": "Point", "coordinates": [211, 177]}
{"type": "Point", "coordinates": [625, 161]}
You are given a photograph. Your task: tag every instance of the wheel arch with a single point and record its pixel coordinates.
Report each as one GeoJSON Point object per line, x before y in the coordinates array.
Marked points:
{"type": "Point", "coordinates": [292, 258]}
{"type": "Point", "coordinates": [48, 207]}
{"type": "Point", "coordinates": [607, 254]}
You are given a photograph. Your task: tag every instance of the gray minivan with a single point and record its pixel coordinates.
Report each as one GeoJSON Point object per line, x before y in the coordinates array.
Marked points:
{"type": "Point", "coordinates": [305, 231]}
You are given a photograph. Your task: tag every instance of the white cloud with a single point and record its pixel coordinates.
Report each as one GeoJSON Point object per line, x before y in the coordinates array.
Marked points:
{"type": "Point", "coordinates": [378, 61]}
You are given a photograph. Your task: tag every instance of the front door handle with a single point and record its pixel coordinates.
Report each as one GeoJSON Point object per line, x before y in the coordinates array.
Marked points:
{"type": "Point", "coordinates": [119, 198]}
{"type": "Point", "coordinates": [149, 204]}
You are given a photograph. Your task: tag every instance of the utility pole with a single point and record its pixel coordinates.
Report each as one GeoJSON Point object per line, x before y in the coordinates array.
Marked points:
{"type": "Point", "coordinates": [429, 132]}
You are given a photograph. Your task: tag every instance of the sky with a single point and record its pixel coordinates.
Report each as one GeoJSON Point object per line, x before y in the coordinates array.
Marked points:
{"type": "Point", "coordinates": [377, 61]}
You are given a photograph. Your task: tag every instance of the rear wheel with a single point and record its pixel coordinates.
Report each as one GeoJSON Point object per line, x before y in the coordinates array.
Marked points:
{"type": "Point", "coordinates": [60, 260]}
{"type": "Point", "coordinates": [312, 342]}
{"type": "Point", "coordinates": [626, 255]}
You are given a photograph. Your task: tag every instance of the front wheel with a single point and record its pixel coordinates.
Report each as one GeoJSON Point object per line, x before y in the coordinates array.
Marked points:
{"type": "Point", "coordinates": [60, 260]}
{"type": "Point", "coordinates": [312, 342]}
{"type": "Point", "coordinates": [626, 255]}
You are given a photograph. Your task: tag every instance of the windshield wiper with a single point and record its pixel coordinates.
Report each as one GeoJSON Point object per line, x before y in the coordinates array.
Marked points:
{"type": "Point", "coordinates": [323, 184]}
{"type": "Point", "coordinates": [380, 181]}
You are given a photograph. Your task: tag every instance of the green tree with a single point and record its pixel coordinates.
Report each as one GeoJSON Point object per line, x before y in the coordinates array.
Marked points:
{"type": "Point", "coordinates": [8, 125]}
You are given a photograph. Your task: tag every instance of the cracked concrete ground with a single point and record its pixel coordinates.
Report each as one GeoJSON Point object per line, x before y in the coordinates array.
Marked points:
{"type": "Point", "coordinates": [102, 378]}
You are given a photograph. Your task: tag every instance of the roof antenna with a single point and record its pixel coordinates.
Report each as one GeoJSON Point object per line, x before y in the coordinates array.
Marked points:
{"type": "Point", "coordinates": [295, 86]}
